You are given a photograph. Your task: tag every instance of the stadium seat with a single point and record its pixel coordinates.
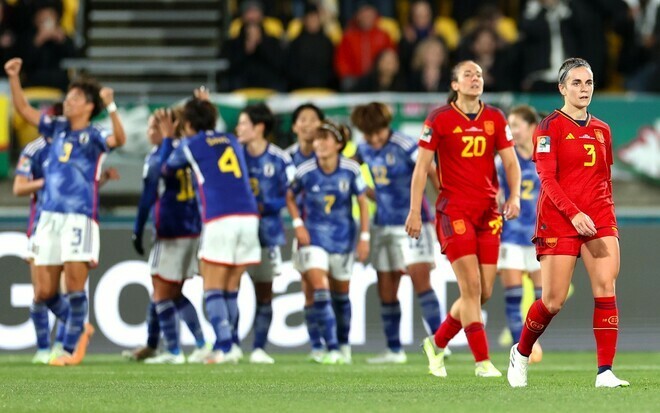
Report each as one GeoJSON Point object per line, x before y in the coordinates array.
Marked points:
{"type": "Point", "coordinates": [332, 30]}
{"type": "Point", "coordinates": [26, 133]}
{"type": "Point", "coordinates": [254, 93]}
{"type": "Point", "coordinates": [447, 28]}
{"type": "Point", "coordinates": [272, 26]}
{"type": "Point", "coordinates": [506, 28]}
{"type": "Point", "coordinates": [70, 10]}
{"type": "Point", "coordinates": [391, 27]}
{"type": "Point", "coordinates": [313, 91]}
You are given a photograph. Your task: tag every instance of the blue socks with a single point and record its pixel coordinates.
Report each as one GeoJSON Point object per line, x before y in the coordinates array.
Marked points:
{"type": "Point", "coordinates": [428, 300]}
{"type": "Point", "coordinates": [231, 297]}
{"type": "Point", "coordinates": [325, 317]}
{"type": "Point", "coordinates": [39, 316]}
{"type": "Point", "coordinates": [188, 314]}
{"type": "Point", "coordinates": [153, 327]}
{"type": "Point", "coordinates": [216, 308]}
{"type": "Point", "coordinates": [262, 322]}
{"type": "Point", "coordinates": [342, 308]}
{"type": "Point", "coordinates": [169, 325]}
{"type": "Point", "coordinates": [512, 299]}
{"type": "Point", "coordinates": [313, 328]}
{"type": "Point", "coordinates": [76, 320]}
{"type": "Point", "coordinates": [59, 306]}
{"type": "Point", "coordinates": [391, 315]}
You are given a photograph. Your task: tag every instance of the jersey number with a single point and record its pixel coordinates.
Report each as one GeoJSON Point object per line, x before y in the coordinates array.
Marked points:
{"type": "Point", "coordinates": [527, 188]}
{"type": "Point", "coordinates": [66, 148]}
{"type": "Point", "coordinates": [591, 151]}
{"type": "Point", "coordinates": [329, 202]}
{"type": "Point", "coordinates": [380, 175]}
{"type": "Point", "coordinates": [186, 191]}
{"type": "Point", "coordinates": [228, 163]}
{"type": "Point", "coordinates": [495, 225]}
{"type": "Point", "coordinates": [474, 146]}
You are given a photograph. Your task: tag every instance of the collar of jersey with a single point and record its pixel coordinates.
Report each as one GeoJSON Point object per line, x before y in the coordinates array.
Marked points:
{"type": "Point", "coordinates": [460, 112]}
{"type": "Point", "coordinates": [573, 120]}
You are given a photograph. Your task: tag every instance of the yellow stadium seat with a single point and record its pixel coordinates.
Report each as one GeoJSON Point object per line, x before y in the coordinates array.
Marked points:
{"type": "Point", "coordinates": [313, 91]}
{"type": "Point", "coordinates": [254, 93]}
{"type": "Point", "coordinates": [272, 26]}
{"type": "Point", "coordinates": [391, 27]}
{"type": "Point", "coordinates": [332, 30]}
{"type": "Point", "coordinates": [25, 132]}
{"type": "Point", "coordinates": [447, 28]}
{"type": "Point", "coordinates": [506, 28]}
{"type": "Point", "coordinates": [69, 13]}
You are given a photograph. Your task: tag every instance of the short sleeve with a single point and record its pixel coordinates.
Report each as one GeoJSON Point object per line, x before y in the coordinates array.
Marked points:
{"type": "Point", "coordinates": [24, 166]}
{"type": "Point", "coordinates": [429, 137]}
{"type": "Point", "coordinates": [359, 186]}
{"type": "Point", "coordinates": [503, 135]}
{"type": "Point", "coordinates": [100, 137]}
{"type": "Point", "coordinates": [296, 185]}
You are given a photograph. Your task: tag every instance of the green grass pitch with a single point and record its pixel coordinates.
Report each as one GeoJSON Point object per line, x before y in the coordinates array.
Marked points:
{"type": "Point", "coordinates": [563, 382]}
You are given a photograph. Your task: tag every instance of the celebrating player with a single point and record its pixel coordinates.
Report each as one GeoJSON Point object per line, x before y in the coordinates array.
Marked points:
{"type": "Point", "coordinates": [465, 135]}
{"type": "Point", "coordinates": [573, 155]}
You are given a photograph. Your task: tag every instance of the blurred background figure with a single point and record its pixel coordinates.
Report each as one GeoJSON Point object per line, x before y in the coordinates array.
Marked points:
{"type": "Point", "coordinates": [430, 67]}
{"type": "Point", "coordinates": [385, 76]}
{"type": "Point", "coordinates": [418, 28]}
{"type": "Point", "coordinates": [489, 51]}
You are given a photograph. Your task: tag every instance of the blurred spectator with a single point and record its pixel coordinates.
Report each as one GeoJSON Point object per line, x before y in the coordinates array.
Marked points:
{"type": "Point", "coordinates": [490, 52]}
{"type": "Point", "coordinates": [464, 9]}
{"type": "Point", "coordinates": [386, 75]}
{"type": "Point", "coordinates": [348, 8]}
{"type": "Point", "coordinates": [645, 72]}
{"type": "Point", "coordinates": [419, 27]}
{"type": "Point", "coordinates": [361, 43]}
{"type": "Point", "coordinates": [489, 15]}
{"type": "Point", "coordinates": [549, 34]}
{"type": "Point", "coordinates": [255, 60]}
{"type": "Point", "coordinates": [43, 51]}
{"type": "Point", "coordinates": [7, 37]}
{"type": "Point", "coordinates": [430, 67]}
{"type": "Point", "coordinates": [311, 54]}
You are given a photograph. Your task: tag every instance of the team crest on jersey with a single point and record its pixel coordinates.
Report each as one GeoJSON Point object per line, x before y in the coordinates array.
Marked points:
{"type": "Point", "coordinates": [550, 242]}
{"type": "Point", "coordinates": [459, 226]}
{"type": "Point", "coordinates": [83, 138]}
{"type": "Point", "coordinates": [599, 135]}
{"type": "Point", "coordinates": [344, 185]}
{"type": "Point", "coordinates": [24, 165]}
{"type": "Point", "coordinates": [543, 144]}
{"type": "Point", "coordinates": [426, 134]}
{"type": "Point", "coordinates": [269, 170]}
{"type": "Point", "coordinates": [489, 127]}
{"type": "Point", "coordinates": [389, 159]}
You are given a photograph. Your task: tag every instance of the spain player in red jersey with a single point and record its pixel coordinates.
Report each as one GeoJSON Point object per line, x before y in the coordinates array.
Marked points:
{"type": "Point", "coordinates": [465, 135]}
{"type": "Point", "coordinates": [575, 217]}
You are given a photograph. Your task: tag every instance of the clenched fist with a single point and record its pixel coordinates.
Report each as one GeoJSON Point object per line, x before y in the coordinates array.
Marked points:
{"type": "Point", "coordinates": [107, 95]}
{"type": "Point", "coordinates": [13, 66]}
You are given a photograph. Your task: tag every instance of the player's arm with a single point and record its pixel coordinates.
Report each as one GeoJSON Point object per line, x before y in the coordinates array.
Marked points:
{"type": "Point", "coordinates": [21, 104]}
{"type": "Point", "coordinates": [24, 186]}
{"type": "Point", "coordinates": [417, 185]}
{"type": "Point", "coordinates": [118, 137]}
{"type": "Point", "coordinates": [302, 235]}
{"type": "Point", "coordinates": [363, 243]}
{"type": "Point", "coordinates": [110, 174]}
{"type": "Point", "coordinates": [147, 200]}
{"type": "Point", "coordinates": [285, 177]}
{"type": "Point", "coordinates": [511, 207]}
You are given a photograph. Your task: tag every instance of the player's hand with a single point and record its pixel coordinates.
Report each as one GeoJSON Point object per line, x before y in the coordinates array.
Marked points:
{"type": "Point", "coordinates": [414, 224]}
{"type": "Point", "coordinates": [362, 250]}
{"type": "Point", "coordinates": [511, 208]}
{"type": "Point", "coordinates": [302, 235]}
{"type": "Point", "coordinates": [13, 66]}
{"type": "Point", "coordinates": [107, 95]}
{"type": "Point", "coordinates": [202, 93]}
{"type": "Point", "coordinates": [584, 225]}
{"type": "Point", "coordinates": [111, 174]}
{"type": "Point", "coordinates": [165, 123]}
{"type": "Point", "coordinates": [137, 243]}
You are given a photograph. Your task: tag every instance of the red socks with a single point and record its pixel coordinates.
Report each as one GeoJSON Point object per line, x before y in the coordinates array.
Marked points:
{"type": "Point", "coordinates": [606, 329]}
{"type": "Point", "coordinates": [447, 330]}
{"type": "Point", "coordinates": [538, 318]}
{"type": "Point", "coordinates": [476, 337]}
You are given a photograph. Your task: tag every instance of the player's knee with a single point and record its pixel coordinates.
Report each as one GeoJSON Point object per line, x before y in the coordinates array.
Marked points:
{"type": "Point", "coordinates": [485, 296]}
{"type": "Point", "coordinates": [42, 294]}
{"type": "Point", "coordinates": [554, 305]}
{"type": "Point", "coordinates": [471, 290]}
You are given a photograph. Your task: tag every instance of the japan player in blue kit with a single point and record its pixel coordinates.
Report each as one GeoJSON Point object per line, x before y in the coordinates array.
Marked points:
{"type": "Point", "coordinates": [391, 158]}
{"type": "Point", "coordinates": [173, 259]}
{"type": "Point", "coordinates": [271, 171]}
{"type": "Point", "coordinates": [517, 252]}
{"type": "Point", "coordinates": [230, 239]}
{"type": "Point", "coordinates": [326, 237]}
{"type": "Point", "coordinates": [67, 233]}
{"type": "Point", "coordinates": [305, 120]}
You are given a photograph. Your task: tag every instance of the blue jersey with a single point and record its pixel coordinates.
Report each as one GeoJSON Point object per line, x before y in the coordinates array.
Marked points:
{"type": "Point", "coordinates": [73, 167]}
{"type": "Point", "coordinates": [328, 203]}
{"type": "Point", "coordinates": [296, 156]}
{"type": "Point", "coordinates": [520, 231]}
{"type": "Point", "coordinates": [391, 168]}
{"type": "Point", "coordinates": [219, 166]}
{"type": "Point", "coordinates": [172, 199]}
{"type": "Point", "coordinates": [30, 165]}
{"type": "Point", "coordinates": [270, 176]}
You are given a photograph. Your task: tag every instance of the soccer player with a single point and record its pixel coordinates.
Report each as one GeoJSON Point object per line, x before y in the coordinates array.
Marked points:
{"type": "Point", "coordinates": [67, 233]}
{"type": "Point", "coordinates": [271, 171]}
{"type": "Point", "coordinates": [517, 252]}
{"type": "Point", "coordinates": [573, 155]}
{"type": "Point", "coordinates": [465, 135]}
{"type": "Point", "coordinates": [173, 257]}
{"type": "Point", "coordinates": [305, 120]}
{"type": "Point", "coordinates": [391, 158]}
{"type": "Point", "coordinates": [326, 237]}
{"type": "Point", "coordinates": [230, 229]}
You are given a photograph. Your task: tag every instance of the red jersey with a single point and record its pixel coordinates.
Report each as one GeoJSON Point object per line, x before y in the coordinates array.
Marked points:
{"type": "Point", "coordinates": [466, 151]}
{"type": "Point", "coordinates": [573, 163]}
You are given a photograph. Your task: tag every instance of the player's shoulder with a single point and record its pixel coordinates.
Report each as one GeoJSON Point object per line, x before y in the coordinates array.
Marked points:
{"type": "Point", "coordinates": [306, 167]}
{"type": "Point", "coordinates": [439, 112]}
{"type": "Point", "coordinates": [292, 149]}
{"type": "Point", "coordinates": [279, 153]}
{"type": "Point", "coordinates": [403, 141]}
{"type": "Point", "coordinates": [598, 123]}
{"type": "Point", "coordinates": [349, 165]}
{"type": "Point", "coordinates": [34, 147]}
{"type": "Point", "coordinates": [549, 121]}
{"type": "Point", "coordinates": [494, 111]}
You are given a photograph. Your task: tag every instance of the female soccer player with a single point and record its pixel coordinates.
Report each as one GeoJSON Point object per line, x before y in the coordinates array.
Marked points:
{"type": "Point", "coordinates": [517, 252]}
{"type": "Point", "coordinates": [67, 233]}
{"type": "Point", "coordinates": [271, 171]}
{"type": "Point", "coordinates": [465, 135]}
{"type": "Point", "coordinates": [391, 158]}
{"type": "Point", "coordinates": [326, 237]}
{"type": "Point", "coordinates": [573, 155]}
{"type": "Point", "coordinates": [305, 121]}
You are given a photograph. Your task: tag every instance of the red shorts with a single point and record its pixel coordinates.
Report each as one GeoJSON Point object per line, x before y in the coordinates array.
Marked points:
{"type": "Point", "coordinates": [469, 230]}
{"type": "Point", "coordinates": [570, 245]}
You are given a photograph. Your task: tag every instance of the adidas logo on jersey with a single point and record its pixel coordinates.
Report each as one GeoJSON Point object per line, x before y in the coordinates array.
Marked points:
{"type": "Point", "coordinates": [570, 136]}
{"type": "Point", "coordinates": [458, 130]}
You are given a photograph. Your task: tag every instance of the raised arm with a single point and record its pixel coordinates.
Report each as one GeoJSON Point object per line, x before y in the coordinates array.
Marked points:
{"type": "Point", "coordinates": [21, 104]}
{"type": "Point", "coordinates": [118, 137]}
